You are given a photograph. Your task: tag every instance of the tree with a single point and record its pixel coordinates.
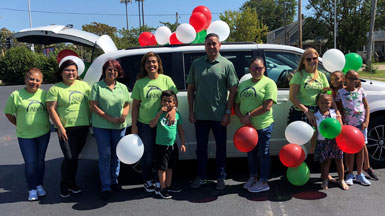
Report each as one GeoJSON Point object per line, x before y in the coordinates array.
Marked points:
{"type": "Point", "coordinates": [273, 13]}
{"type": "Point", "coordinates": [380, 15]}
{"type": "Point", "coordinates": [100, 29]}
{"type": "Point", "coordinates": [352, 18]}
{"type": "Point", "coordinates": [244, 26]}
{"type": "Point", "coordinates": [130, 38]}
{"type": "Point", "coordinates": [171, 26]}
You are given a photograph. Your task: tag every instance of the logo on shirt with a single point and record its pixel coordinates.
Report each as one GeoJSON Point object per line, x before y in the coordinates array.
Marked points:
{"type": "Point", "coordinates": [164, 123]}
{"type": "Point", "coordinates": [249, 92]}
{"type": "Point", "coordinates": [33, 108]}
{"type": "Point", "coordinates": [312, 84]}
{"type": "Point", "coordinates": [76, 96]}
{"type": "Point", "coordinates": [153, 92]}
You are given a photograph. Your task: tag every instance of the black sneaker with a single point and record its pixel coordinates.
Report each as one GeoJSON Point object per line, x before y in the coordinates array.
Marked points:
{"type": "Point", "coordinates": [74, 189]}
{"type": "Point", "coordinates": [64, 191]}
{"type": "Point", "coordinates": [371, 173]}
{"type": "Point", "coordinates": [149, 188]}
{"type": "Point", "coordinates": [157, 190]}
{"type": "Point", "coordinates": [116, 187]}
{"type": "Point", "coordinates": [164, 194]}
{"type": "Point", "coordinates": [106, 195]}
{"type": "Point", "coordinates": [174, 189]}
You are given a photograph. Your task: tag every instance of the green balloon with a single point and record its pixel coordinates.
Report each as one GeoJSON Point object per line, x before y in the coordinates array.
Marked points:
{"type": "Point", "coordinates": [353, 61]}
{"type": "Point", "coordinates": [330, 128]}
{"type": "Point", "coordinates": [299, 175]}
{"type": "Point", "coordinates": [202, 35]}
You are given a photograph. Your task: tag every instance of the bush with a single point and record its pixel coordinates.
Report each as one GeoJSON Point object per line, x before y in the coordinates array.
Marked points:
{"type": "Point", "coordinates": [18, 60]}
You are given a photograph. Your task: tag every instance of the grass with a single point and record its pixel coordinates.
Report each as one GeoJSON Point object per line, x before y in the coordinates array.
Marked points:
{"type": "Point", "coordinates": [378, 75]}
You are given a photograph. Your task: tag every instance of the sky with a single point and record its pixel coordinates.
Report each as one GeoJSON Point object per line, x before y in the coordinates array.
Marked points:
{"type": "Point", "coordinates": [14, 13]}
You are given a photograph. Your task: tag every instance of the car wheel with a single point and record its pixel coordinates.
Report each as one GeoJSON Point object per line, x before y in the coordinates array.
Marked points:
{"type": "Point", "coordinates": [376, 141]}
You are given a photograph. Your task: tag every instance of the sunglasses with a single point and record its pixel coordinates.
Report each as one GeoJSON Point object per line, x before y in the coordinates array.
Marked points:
{"type": "Point", "coordinates": [353, 79]}
{"type": "Point", "coordinates": [314, 59]}
{"type": "Point", "coordinates": [253, 68]}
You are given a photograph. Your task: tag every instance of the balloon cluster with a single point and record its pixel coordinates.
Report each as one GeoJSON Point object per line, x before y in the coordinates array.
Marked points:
{"type": "Point", "coordinates": [130, 149]}
{"type": "Point", "coordinates": [245, 138]}
{"type": "Point", "coordinates": [335, 60]}
{"type": "Point", "coordinates": [67, 54]}
{"type": "Point", "coordinates": [193, 32]}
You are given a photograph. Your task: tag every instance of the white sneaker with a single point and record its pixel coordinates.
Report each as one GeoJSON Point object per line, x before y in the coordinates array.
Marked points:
{"type": "Point", "coordinates": [259, 187]}
{"type": "Point", "coordinates": [349, 179]}
{"type": "Point", "coordinates": [249, 183]}
{"type": "Point", "coordinates": [32, 195]}
{"type": "Point", "coordinates": [362, 179]}
{"type": "Point", "coordinates": [40, 191]}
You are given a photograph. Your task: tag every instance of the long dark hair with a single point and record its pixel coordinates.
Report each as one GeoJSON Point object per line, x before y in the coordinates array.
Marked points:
{"type": "Point", "coordinates": [65, 64]}
{"type": "Point", "coordinates": [143, 72]}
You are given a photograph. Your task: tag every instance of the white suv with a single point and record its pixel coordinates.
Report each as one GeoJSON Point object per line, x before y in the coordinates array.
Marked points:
{"type": "Point", "coordinates": [280, 62]}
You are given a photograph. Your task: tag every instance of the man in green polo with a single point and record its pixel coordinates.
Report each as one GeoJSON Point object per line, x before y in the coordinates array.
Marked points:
{"type": "Point", "coordinates": [209, 79]}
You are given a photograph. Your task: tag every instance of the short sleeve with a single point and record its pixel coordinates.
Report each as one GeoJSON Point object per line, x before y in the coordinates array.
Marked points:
{"type": "Point", "coordinates": [171, 85]}
{"type": "Point", "coordinates": [87, 92]}
{"type": "Point", "coordinates": [136, 92]}
{"type": "Point", "coordinates": [127, 94]}
{"type": "Point", "coordinates": [296, 78]}
{"type": "Point", "coordinates": [94, 92]}
{"type": "Point", "coordinates": [338, 96]}
{"type": "Point", "coordinates": [10, 107]}
{"type": "Point", "coordinates": [190, 76]}
{"type": "Point", "coordinates": [325, 82]}
{"type": "Point", "coordinates": [271, 92]}
{"type": "Point", "coordinates": [364, 95]}
{"type": "Point", "coordinates": [52, 94]}
{"type": "Point", "coordinates": [232, 79]}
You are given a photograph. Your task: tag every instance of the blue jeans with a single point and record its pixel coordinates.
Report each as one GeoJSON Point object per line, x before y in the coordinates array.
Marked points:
{"type": "Point", "coordinates": [147, 134]}
{"type": "Point", "coordinates": [259, 157]}
{"type": "Point", "coordinates": [109, 164]}
{"type": "Point", "coordinates": [202, 130]}
{"type": "Point", "coordinates": [33, 151]}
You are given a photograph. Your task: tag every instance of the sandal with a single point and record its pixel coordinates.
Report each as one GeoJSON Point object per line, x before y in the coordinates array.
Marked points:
{"type": "Point", "coordinates": [332, 180]}
{"type": "Point", "coordinates": [343, 185]}
{"type": "Point", "coordinates": [325, 184]}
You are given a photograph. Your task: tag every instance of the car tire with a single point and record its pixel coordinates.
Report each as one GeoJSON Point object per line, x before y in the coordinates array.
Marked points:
{"type": "Point", "coordinates": [376, 141]}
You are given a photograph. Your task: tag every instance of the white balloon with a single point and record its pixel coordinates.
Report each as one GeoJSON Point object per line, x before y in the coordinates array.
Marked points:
{"type": "Point", "coordinates": [130, 149]}
{"type": "Point", "coordinates": [299, 132]}
{"type": "Point", "coordinates": [245, 77]}
{"type": "Point", "coordinates": [220, 28]}
{"type": "Point", "coordinates": [333, 60]}
{"type": "Point", "coordinates": [162, 35]}
{"type": "Point", "coordinates": [185, 33]}
{"type": "Point", "coordinates": [77, 61]}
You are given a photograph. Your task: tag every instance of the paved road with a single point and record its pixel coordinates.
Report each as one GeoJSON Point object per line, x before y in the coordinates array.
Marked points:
{"type": "Point", "coordinates": [282, 199]}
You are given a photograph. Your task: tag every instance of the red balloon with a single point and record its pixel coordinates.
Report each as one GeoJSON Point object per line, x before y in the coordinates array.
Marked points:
{"type": "Point", "coordinates": [198, 20]}
{"type": "Point", "coordinates": [65, 53]}
{"type": "Point", "coordinates": [206, 12]}
{"type": "Point", "coordinates": [147, 39]}
{"type": "Point", "coordinates": [351, 140]}
{"type": "Point", "coordinates": [291, 155]}
{"type": "Point", "coordinates": [174, 39]}
{"type": "Point", "coordinates": [245, 138]}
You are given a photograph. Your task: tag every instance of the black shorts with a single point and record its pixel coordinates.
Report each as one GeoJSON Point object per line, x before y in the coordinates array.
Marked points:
{"type": "Point", "coordinates": [165, 156]}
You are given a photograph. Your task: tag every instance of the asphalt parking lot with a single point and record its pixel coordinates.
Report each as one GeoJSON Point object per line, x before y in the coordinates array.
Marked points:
{"type": "Point", "coordinates": [282, 199]}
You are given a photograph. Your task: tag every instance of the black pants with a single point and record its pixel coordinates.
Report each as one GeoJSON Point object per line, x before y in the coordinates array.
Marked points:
{"type": "Point", "coordinates": [71, 149]}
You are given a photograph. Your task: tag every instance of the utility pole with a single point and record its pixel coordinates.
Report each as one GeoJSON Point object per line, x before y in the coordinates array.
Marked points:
{"type": "Point", "coordinates": [126, 2]}
{"type": "Point", "coordinates": [30, 22]}
{"type": "Point", "coordinates": [335, 24]}
{"type": "Point", "coordinates": [140, 20]}
{"type": "Point", "coordinates": [177, 21]}
{"type": "Point", "coordinates": [371, 30]}
{"type": "Point", "coordinates": [142, 12]}
{"type": "Point", "coordinates": [300, 23]}
{"type": "Point", "coordinates": [284, 17]}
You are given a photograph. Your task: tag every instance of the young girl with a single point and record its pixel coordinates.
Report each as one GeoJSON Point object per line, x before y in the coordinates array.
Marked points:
{"type": "Point", "coordinates": [327, 149]}
{"type": "Point", "coordinates": [337, 80]}
{"type": "Point", "coordinates": [352, 100]}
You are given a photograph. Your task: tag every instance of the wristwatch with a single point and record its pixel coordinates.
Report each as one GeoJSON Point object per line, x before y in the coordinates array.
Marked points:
{"type": "Point", "coordinates": [248, 114]}
{"type": "Point", "coordinates": [228, 112]}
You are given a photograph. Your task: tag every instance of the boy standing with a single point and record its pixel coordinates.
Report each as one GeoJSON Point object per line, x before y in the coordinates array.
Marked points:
{"type": "Point", "coordinates": [166, 149]}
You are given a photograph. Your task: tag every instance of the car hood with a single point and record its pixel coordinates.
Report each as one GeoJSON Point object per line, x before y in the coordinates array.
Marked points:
{"type": "Point", "coordinates": [58, 34]}
{"type": "Point", "coordinates": [373, 85]}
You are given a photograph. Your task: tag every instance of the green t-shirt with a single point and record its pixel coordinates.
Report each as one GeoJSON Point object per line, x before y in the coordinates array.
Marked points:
{"type": "Point", "coordinates": [251, 95]}
{"type": "Point", "coordinates": [30, 111]}
{"type": "Point", "coordinates": [148, 92]}
{"type": "Point", "coordinates": [308, 91]}
{"type": "Point", "coordinates": [72, 103]}
{"type": "Point", "coordinates": [111, 101]}
{"type": "Point", "coordinates": [165, 134]}
{"type": "Point", "coordinates": [211, 81]}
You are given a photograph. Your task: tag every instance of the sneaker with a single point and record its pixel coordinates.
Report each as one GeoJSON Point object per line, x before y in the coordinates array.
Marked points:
{"type": "Point", "coordinates": [40, 191]}
{"type": "Point", "coordinates": [349, 179]}
{"type": "Point", "coordinates": [371, 173]}
{"type": "Point", "coordinates": [164, 194]}
{"type": "Point", "coordinates": [249, 183]}
{"type": "Point", "coordinates": [198, 182]}
{"type": "Point", "coordinates": [221, 185]}
{"type": "Point", "coordinates": [116, 187]}
{"type": "Point", "coordinates": [157, 190]}
{"type": "Point", "coordinates": [64, 191]}
{"type": "Point", "coordinates": [74, 189]}
{"type": "Point", "coordinates": [105, 195]}
{"type": "Point", "coordinates": [32, 195]}
{"type": "Point", "coordinates": [362, 180]}
{"type": "Point", "coordinates": [149, 187]}
{"type": "Point", "coordinates": [259, 187]}
{"type": "Point", "coordinates": [174, 189]}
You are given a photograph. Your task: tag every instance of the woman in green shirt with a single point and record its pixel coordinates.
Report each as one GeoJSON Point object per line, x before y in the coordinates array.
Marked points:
{"type": "Point", "coordinates": [109, 105]}
{"type": "Point", "coordinates": [26, 109]}
{"type": "Point", "coordinates": [67, 105]}
{"type": "Point", "coordinates": [146, 103]}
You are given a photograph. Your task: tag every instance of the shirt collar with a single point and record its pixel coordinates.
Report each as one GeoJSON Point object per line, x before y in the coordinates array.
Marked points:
{"type": "Point", "coordinates": [217, 59]}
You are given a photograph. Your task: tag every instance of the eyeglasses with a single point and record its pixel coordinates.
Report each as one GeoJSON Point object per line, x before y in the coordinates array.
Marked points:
{"type": "Point", "coordinates": [69, 70]}
{"type": "Point", "coordinates": [314, 59]}
{"type": "Point", "coordinates": [254, 68]}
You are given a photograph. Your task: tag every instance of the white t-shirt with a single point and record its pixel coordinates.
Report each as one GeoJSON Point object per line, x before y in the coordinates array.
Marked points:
{"type": "Point", "coordinates": [320, 118]}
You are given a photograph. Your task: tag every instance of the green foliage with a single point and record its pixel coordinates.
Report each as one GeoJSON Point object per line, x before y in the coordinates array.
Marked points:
{"type": "Point", "coordinates": [171, 26]}
{"type": "Point", "coordinates": [273, 13]}
{"type": "Point", "coordinates": [18, 60]}
{"type": "Point", "coordinates": [244, 26]}
{"type": "Point", "coordinates": [380, 15]}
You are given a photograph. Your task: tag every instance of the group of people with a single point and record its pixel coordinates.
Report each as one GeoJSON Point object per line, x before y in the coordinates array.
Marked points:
{"type": "Point", "coordinates": [73, 106]}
